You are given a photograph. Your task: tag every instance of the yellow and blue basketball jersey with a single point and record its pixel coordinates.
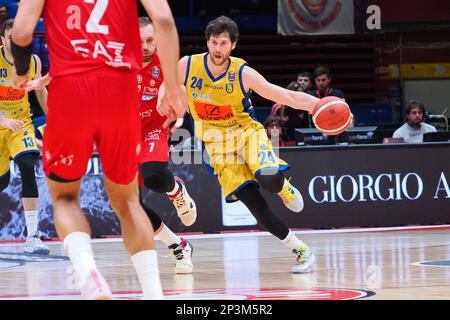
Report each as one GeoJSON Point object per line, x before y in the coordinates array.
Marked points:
{"type": "Point", "coordinates": [217, 103]}
{"type": "Point", "coordinates": [14, 104]}
{"type": "Point", "coordinates": [236, 143]}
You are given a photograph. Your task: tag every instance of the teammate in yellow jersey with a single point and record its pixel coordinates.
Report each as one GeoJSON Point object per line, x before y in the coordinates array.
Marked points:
{"type": "Point", "coordinates": [17, 138]}
{"type": "Point", "coordinates": [218, 89]}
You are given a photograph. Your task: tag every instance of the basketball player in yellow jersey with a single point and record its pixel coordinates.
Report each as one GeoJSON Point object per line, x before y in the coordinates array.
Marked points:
{"type": "Point", "coordinates": [218, 88]}
{"type": "Point", "coordinates": [17, 139]}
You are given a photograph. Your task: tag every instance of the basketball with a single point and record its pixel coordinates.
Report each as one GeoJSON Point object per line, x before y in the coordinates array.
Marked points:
{"type": "Point", "coordinates": [332, 115]}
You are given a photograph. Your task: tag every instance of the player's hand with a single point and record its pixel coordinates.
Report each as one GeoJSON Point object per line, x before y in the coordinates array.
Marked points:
{"type": "Point", "coordinates": [12, 124]}
{"type": "Point", "coordinates": [19, 82]}
{"type": "Point", "coordinates": [172, 102]}
{"type": "Point", "coordinates": [38, 83]}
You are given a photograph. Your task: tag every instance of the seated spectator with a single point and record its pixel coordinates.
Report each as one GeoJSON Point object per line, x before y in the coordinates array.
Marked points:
{"type": "Point", "coordinates": [274, 126]}
{"type": "Point", "coordinates": [415, 127]}
{"type": "Point", "coordinates": [3, 17]}
{"type": "Point", "coordinates": [322, 78]}
{"type": "Point", "coordinates": [304, 79]}
{"type": "Point", "coordinates": [294, 118]}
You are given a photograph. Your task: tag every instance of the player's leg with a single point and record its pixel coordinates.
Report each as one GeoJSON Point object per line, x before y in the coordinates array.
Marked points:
{"type": "Point", "coordinates": [24, 151]}
{"type": "Point", "coordinates": [255, 202]}
{"type": "Point", "coordinates": [4, 166]}
{"type": "Point", "coordinates": [27, 164]}
{"type": "Point", "coordinates": [266, 166]}
{"type": "Point", "coordinates": [118, 144]}
{"type": "Point", "coordinates": [137, 235]}
{"type": "Point", "coordinates": [4, 180]}
{"type": "Point", "coordinates": [180, 249]}
{"type": "Point", "coordinates": [68, 144]}
{"type": "Point", "coordinates": [154, 168]}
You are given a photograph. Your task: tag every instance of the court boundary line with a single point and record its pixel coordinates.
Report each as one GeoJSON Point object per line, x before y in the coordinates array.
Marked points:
{"type": "Point", "coordinates": [246, 233]}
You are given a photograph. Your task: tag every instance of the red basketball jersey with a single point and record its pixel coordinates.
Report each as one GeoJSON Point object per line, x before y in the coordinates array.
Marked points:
{"type": "Point", "coordinates": [84, 35]}
{"type": "Point", "coordinates": [149, 81]}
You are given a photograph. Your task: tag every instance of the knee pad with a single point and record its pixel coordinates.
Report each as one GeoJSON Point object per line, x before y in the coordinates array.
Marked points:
{"type": "Point", "coordinates": [272, 183]}
{"type": "Point", "coordinates": [27, 163]}
{"type": "Point", "coordinates": [4, 181]}
{"type": "Point", "coordinates": [157, 177]}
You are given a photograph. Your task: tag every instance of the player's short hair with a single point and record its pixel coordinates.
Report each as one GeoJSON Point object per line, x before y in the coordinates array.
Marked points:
{"type": "Point", "coordinates": [305, 74]}
{"type": "Point", "coordinates": [144, 21]}
{"type": "Point", "coordinates": [8, 24]}
{"type": "Point", "coordinates": [321, 70]}
{"type": "Point", "coordinates": [273, 119]}
{"type": "Point", "coordinates": [220, 25]}
{"type": "Point", "coordinates": [413, 104]}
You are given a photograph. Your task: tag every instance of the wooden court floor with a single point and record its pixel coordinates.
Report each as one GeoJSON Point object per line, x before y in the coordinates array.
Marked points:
{"type": "Point", "coordinates": [353, 265]}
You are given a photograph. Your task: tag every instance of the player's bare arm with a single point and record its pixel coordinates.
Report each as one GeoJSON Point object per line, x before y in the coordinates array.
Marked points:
{"type": "Point", "coordinates": [25, 22]}
{"type": "Point", "coordinates": [167, 42]}
{"type": "Point", "coordinates": [38, 83]}
{"type": "Point", "coordinates": [298, 100]}
{"type": "Point", "coordinates": [41, 93]}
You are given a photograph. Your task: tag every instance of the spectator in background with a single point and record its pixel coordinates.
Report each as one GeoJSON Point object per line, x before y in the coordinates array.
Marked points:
{"type": "Point", "coordinates": [304, 79]}
{"type": "Point", "coordinates": [295, 118]}
{"type": "Point", "coordinates": [274, 126]}
{"type": "Point", "coordinates": [3, 17]}
{"type": "Point", "coordinates": [322, 78]}
{"type": "Point", "coordinates": [415, 127]}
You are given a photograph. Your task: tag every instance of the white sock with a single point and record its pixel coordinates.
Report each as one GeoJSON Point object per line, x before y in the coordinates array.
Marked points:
{"type": "Point", "coordinates": [292, 242]}
{"type": "Point", "coordinates": [175, 189]}
{"type": "Point", "coordinates": [146, 265]}
{"type": "Point", "coordinates": [31, 220]}
{"type": "Point", "coordinates": [78, 246]}
{"type": "Point", "coordinates": [167, 236]}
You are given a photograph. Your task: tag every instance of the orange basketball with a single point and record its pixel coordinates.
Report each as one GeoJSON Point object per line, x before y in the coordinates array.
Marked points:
{"type": "Point", "coordinates": [332, 115]}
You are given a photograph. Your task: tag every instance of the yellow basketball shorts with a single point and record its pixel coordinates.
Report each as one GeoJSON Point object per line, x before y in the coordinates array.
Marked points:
{"type": "Point", "coordinates": [13, 144]}
{"type": "Point", "coordinates": [240, 155]}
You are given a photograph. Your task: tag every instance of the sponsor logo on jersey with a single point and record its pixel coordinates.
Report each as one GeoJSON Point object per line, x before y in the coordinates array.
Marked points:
{"type": "Point", "coordinates": [209, 112]}
{"type": "Point", "coordinates": [146, 114]}
{"type": "Point", "coordinates": [139, 78]}
{"type": "Point", "coordinates": [203, 97]}
{"type": "Point", "coordinates": [152, 135]}
{"type": "Point", "coordinates": [151, 91]}
{"type": "Point", "coordinates": [11, 94]}
{"type": "Point", "coordinates": [155, 72]}
{"type": "Point", "coordinates": [231, 76]}
{"type": "Point", "coordinates": [229, 88]}
{"type": "Point", "coordinates": [147, 98]}
{"type": "Point", "coordinates": [152, 82]}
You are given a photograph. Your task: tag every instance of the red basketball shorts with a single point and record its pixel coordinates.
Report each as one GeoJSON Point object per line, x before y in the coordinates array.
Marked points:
{"type": "Point", "coordinates": [98, 108]}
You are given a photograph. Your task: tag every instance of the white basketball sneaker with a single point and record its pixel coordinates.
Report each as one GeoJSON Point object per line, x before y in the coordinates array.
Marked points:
{"type": "Point", "coordinates": [292, 198]}
{"type": "Point", "coordinates": [182, 254]}
{"type": "Point", "coordinates": [34, 245]}
{"type": "Point", "coordinates": [95, 287]}
{"type": "Point", "coordinates": [185, 205]}
{"type": "Point", "coordinates": [304, 259]}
